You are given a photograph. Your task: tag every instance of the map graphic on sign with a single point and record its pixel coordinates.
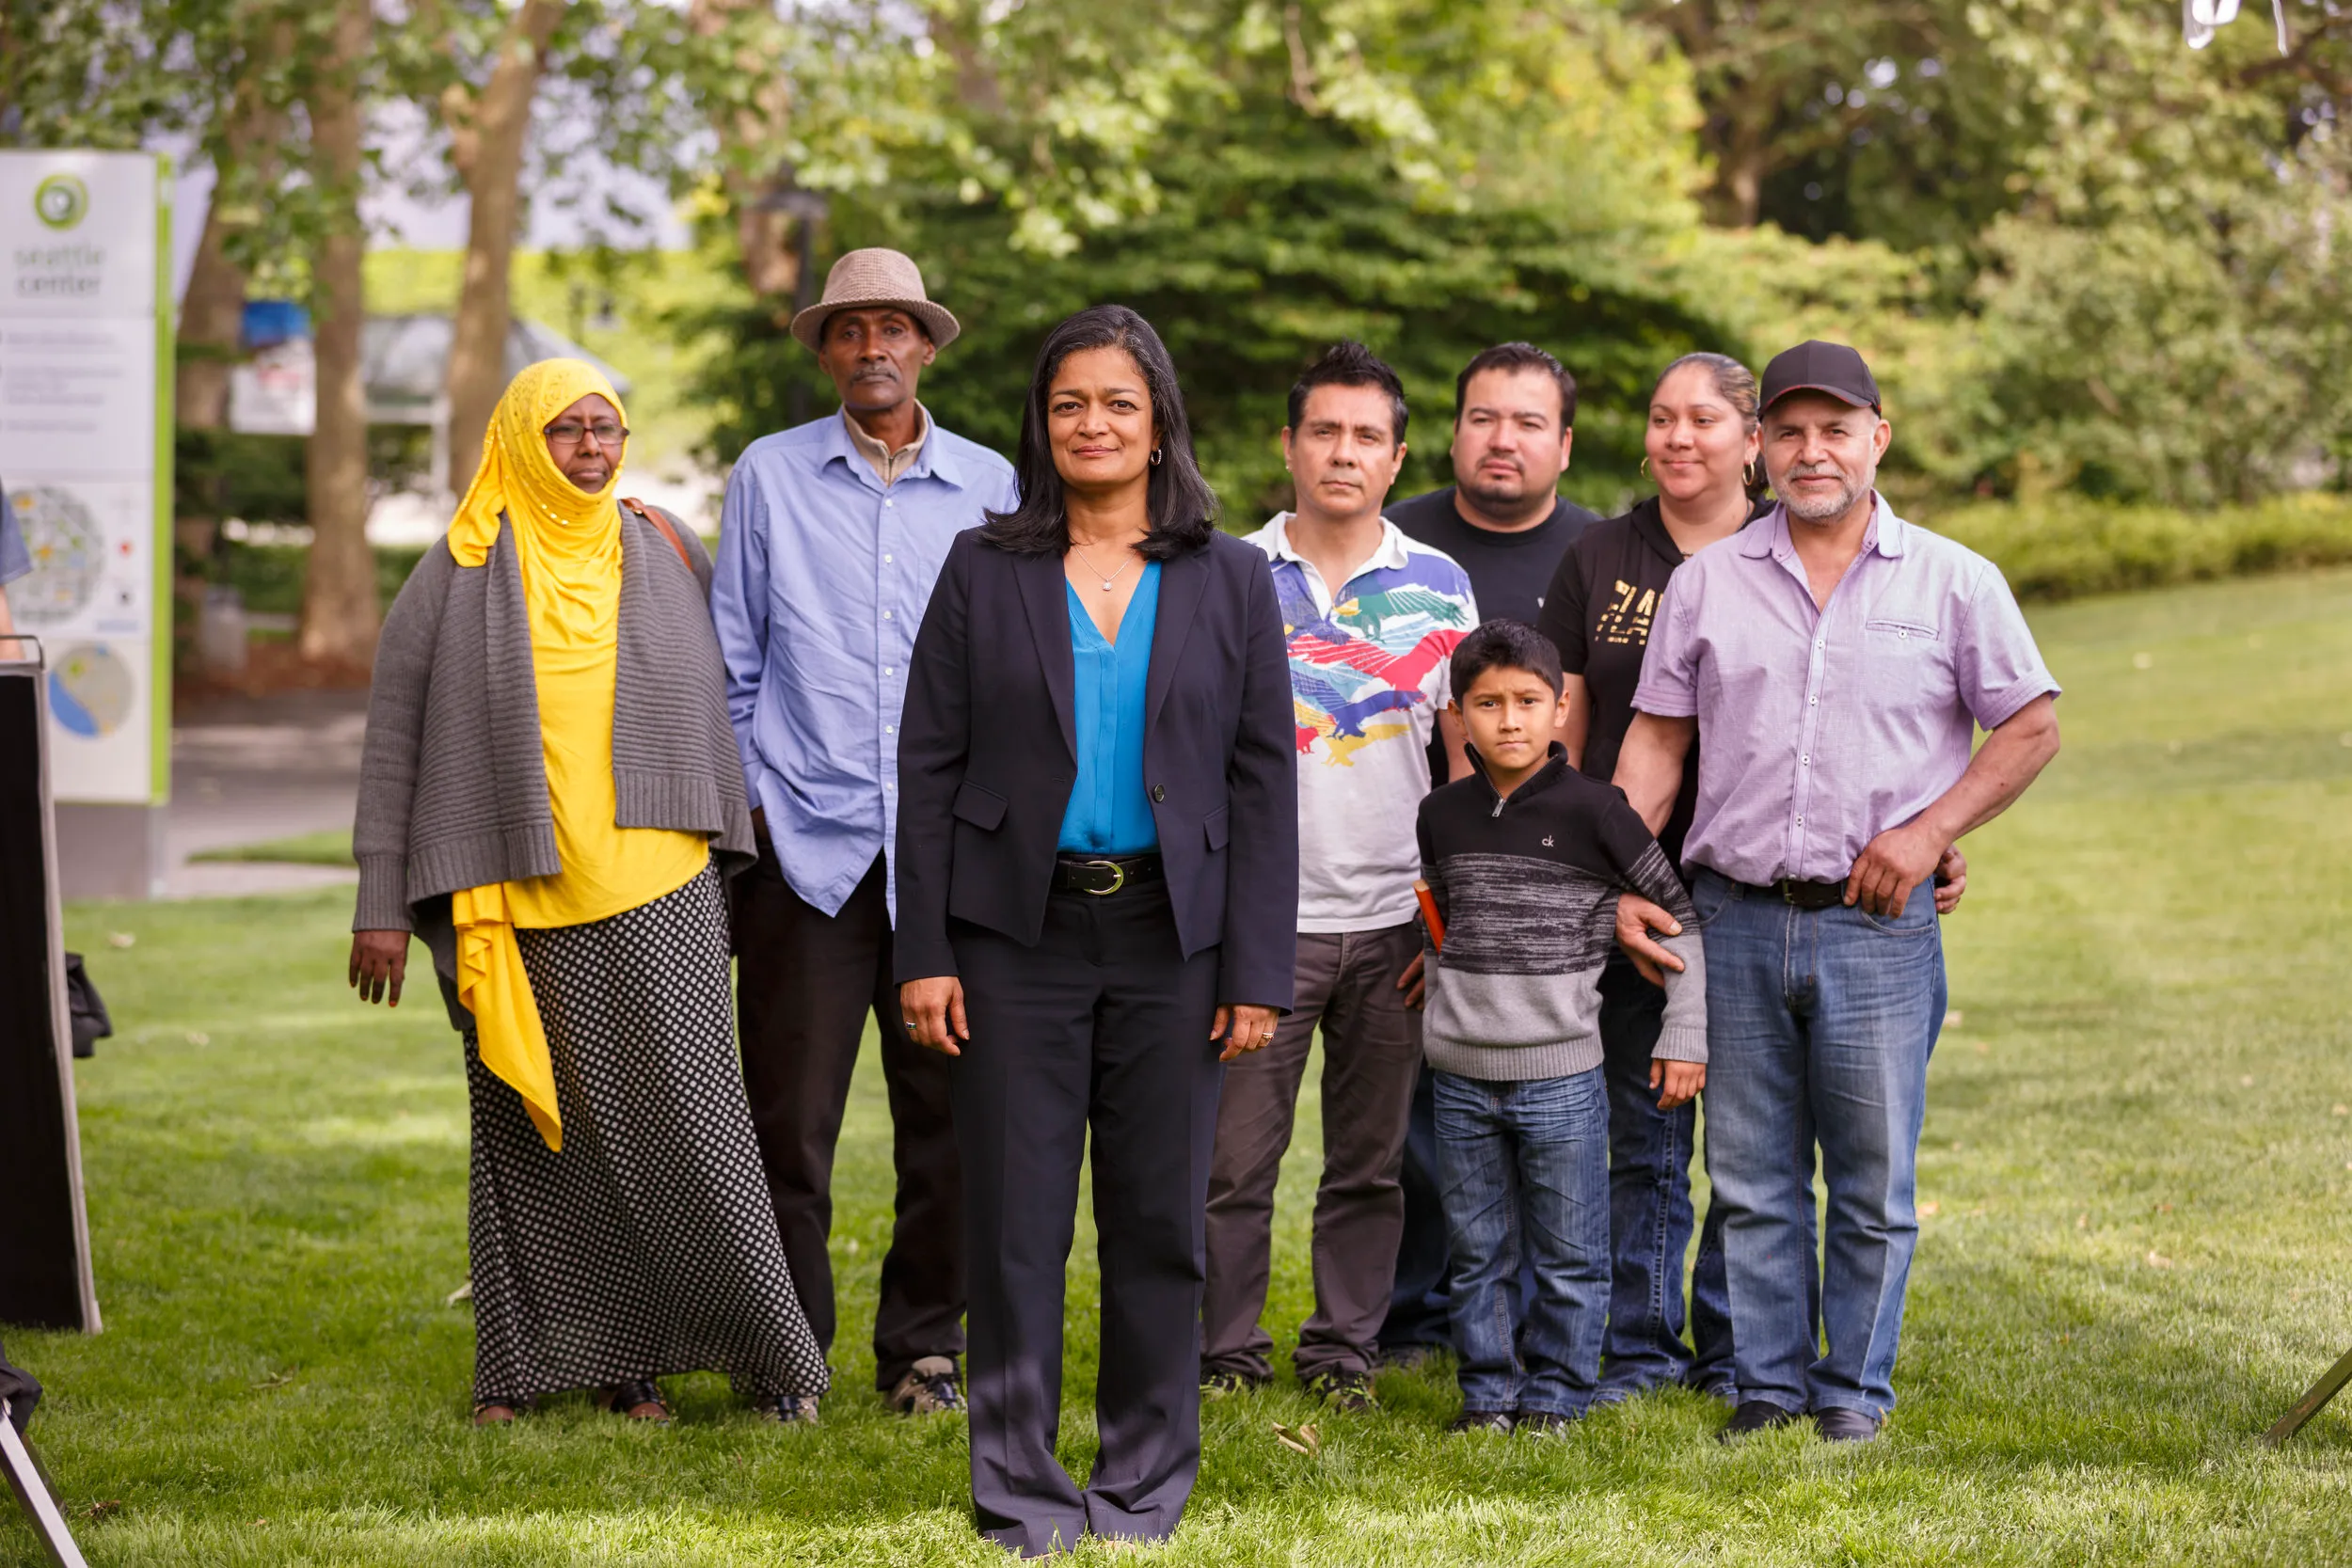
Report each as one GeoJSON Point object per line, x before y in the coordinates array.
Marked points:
{"type": "Point", "coordinates": [90, 689]}
{"type": "Point", "coordinates": [69, 552]}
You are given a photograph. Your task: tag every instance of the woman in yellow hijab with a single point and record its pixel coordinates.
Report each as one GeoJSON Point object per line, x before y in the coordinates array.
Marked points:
{"type": "Point", "coordinates": [550, 796]}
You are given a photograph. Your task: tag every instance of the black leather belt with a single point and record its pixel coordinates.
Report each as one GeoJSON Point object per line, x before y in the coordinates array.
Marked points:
{"type": "Point", "coordinates": [1803, 896]}
{"type": "Point", "coordinates": [1103, 874]}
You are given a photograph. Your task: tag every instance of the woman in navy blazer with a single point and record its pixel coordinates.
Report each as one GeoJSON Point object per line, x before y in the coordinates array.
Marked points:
{"type": "Point", "coordinates": [1098, 887]}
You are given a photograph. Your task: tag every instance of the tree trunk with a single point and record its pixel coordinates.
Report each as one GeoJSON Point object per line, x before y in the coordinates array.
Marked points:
{"type": "Point", "coordinates": [1740, 140]}
{"type": "Point", "coordinates": [489, 134]}
{"type": "Point", "coordinates": [212, 319]}
{"type": "Point", "coordinates": [211, 314]}
{"type": "Point", "coordinates": [339, 609]}
{"type": "Point", "coordinates": [752, 135]}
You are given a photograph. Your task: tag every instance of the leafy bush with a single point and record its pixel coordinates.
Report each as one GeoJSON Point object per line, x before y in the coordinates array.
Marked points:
{"type": "Point", "coordinates": [269, 576]}
{"type": "Point", "coordinates": [2069, 546]}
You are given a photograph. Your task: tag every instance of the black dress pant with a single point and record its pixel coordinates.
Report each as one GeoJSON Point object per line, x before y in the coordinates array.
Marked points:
{"type": "Point", "coordinates": [21, 1390]}
{"type": "Point", "coordinates": [1103, 1024]}
{"type": "Point", "coordinates": [806, 982]}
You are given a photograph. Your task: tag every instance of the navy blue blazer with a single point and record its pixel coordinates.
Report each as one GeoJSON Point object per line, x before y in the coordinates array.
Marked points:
{"type": "Point", "coordinates": [987, 759]}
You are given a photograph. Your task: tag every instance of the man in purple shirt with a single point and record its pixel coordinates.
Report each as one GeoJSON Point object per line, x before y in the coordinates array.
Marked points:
{"type": "Point", "coordinates": [1834, 662]}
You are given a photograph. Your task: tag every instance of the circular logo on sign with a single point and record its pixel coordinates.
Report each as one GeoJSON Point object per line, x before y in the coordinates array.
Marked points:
{"type": "Point", "coordinates": [61, 201]}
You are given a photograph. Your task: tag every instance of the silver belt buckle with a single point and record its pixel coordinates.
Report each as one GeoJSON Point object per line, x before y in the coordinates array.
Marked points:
{"type": "Point", "coordinates": [1118, 878]}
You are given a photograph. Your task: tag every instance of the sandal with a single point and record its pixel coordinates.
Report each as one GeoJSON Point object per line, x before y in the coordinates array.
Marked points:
{"type": "Point", "coordinates": [499, 1413]}
{"type": "Point", "coordinates": [640, 1399]}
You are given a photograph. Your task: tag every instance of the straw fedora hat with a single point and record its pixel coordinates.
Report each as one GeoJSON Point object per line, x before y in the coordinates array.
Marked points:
{"type": "Point", "coordinates": [867, 279]}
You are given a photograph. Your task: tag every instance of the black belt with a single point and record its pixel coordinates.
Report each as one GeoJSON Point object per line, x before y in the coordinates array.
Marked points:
{"type": "Point", "coordinates": [1102, 875]}
{"type": "Point", "coordinates": [1803, 896]}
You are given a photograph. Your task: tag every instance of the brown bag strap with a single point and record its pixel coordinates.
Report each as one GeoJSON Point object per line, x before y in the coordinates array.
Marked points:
{"type": "Point", "coordinates": [655, 515]}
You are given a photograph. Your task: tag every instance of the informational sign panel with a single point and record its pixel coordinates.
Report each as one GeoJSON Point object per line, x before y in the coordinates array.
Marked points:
{"type": "Point", "coordinates": [85, 367]}
{"type": "Point", "coordinates": [44, 1235]}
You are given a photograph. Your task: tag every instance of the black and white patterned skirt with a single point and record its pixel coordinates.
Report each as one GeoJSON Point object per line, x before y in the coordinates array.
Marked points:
{"type": "Point", "coordinates": [648, 1246]}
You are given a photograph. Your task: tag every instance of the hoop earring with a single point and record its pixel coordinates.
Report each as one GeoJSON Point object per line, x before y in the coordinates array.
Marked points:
{"type": "Point", "coordinates": [1643, 469]}
{"type": "Point", "coordinates": [1747, 476]}
{"type": "Point", "coordinates": [1156, 454]}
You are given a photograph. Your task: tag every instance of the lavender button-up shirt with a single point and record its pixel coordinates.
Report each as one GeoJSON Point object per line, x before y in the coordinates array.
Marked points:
{"type": "Point", "coordinates": [1821, 729]}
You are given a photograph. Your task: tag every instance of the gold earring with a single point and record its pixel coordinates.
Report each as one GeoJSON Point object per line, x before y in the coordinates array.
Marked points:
{"type": "Point", "coordinates": [1747, 476]}
{"type": "Point", "coordinates": [1644, 470]}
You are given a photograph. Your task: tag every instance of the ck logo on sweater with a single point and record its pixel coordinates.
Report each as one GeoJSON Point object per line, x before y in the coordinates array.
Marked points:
{"type": "Point", "coordinates": [1547, 841]}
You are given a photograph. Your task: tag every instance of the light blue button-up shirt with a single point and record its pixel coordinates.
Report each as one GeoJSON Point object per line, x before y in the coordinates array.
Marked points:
{"type": "Point", "coordinates": [822, 578]}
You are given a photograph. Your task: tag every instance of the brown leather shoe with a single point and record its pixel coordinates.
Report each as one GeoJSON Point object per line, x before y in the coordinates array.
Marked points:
{"type": "Point", "coordinates": [640, 1399]}
{"type": "Point", "coordinates": [1839, 1423]}
{"type": "Point", "coordinates": [1754, 1416]}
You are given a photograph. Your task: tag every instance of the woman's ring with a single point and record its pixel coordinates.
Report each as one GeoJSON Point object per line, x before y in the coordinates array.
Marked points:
{"type": "Point", "coordinates": [907, 1023]}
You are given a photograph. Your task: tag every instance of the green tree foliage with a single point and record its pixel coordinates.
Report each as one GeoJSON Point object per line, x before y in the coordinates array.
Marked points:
{"type": "Point", "coordinates": [1495, 173]}
{"type": "Point", "coordinates": [77, 75]}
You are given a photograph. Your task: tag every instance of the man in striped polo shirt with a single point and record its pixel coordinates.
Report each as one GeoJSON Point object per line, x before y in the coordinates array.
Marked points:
{"type": "Point", "coordinates": [1372, 619]}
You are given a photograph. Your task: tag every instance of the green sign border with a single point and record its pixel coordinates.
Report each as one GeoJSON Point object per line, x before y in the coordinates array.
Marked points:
{"type": "Point", "coordinates": [164, 612]}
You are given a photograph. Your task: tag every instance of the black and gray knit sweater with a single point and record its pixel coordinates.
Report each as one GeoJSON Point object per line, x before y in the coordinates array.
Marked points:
{"type": "Point", "coordinates": [1527, 886]}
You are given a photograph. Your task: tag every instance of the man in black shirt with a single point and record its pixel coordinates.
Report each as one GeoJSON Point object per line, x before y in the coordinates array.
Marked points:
{"type": "Point", "coordinates": [1503, 518]}
{"type": "Point", "coordinates": [1505, 523]}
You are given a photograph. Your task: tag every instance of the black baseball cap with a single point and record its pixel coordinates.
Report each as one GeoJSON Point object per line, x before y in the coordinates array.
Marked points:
{"type": "Point", "coordinates": [1814, 366]}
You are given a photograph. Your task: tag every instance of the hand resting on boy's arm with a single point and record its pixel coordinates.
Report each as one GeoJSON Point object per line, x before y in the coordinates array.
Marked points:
{"type": "Point", "coordinates": [1637, 917]}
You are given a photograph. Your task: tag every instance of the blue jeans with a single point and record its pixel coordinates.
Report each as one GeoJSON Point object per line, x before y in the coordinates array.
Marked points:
{"type": "Point", "coordinates": [1525, 1175]}
{"type": "Point", "coordinates": [1818, 1028]}
{"type": "Point", "coordinates": [1416, 1310]}
{"type": "Point", "coordinates": [1649, 1213]}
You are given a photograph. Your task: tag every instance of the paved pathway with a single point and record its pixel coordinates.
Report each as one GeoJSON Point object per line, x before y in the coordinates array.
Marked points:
{"type": "Point", "coordinates": [248, 769]}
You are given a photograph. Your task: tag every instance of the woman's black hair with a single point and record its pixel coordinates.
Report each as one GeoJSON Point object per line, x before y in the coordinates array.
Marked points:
{"type": "Point", "coordinates": [1181, 506]}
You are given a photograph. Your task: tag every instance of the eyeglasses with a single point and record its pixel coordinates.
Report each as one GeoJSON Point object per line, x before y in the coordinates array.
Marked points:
{"type": "Point", "coordinates": [609, 433]}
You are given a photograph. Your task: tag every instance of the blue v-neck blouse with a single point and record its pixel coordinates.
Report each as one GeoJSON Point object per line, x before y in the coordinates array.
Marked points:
{"type": "Point", "coordinates": [1109, 812]}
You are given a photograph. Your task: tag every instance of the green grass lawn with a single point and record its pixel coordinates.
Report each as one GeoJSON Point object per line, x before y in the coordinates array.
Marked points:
{"type": "Point", "coordinates": [2135, 1174]}
{"type": "Point", "coordinates": [330, 847]}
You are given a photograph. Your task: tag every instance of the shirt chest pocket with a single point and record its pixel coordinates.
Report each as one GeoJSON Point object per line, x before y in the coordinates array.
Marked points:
{"type": "Point", "coordinates": [1906, 663]}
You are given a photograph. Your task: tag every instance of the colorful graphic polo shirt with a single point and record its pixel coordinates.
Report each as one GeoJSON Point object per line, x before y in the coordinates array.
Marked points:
{"type": "Point", "coordinates": [1369, 675]}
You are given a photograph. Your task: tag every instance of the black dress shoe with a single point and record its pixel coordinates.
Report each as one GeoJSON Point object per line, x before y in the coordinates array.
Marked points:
{"type": "Point", "coordinates": [1839, 1424]}
{"type": "Point", "coordinates": [1754, 1416]}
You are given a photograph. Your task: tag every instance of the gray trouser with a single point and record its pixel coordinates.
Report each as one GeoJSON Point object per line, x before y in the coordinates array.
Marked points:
{"type": "Point", "coordinates": [1371, 1057]}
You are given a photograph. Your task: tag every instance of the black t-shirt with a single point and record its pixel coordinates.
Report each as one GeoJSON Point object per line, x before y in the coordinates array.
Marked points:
{"type": "Point", "coordinates": [1597, 610]}
{"type": "Point", "coordinates": [1507, 571]}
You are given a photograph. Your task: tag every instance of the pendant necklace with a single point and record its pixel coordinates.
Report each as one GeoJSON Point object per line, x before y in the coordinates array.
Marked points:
{"type": "Point", "coordinates": [1098, 571]}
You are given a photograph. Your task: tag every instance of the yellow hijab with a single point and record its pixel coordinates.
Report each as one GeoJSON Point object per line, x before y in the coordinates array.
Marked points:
{"type": "Point", "coordinates": [567, 546]}
{"type": "Point", "coordinates": [518, 479]}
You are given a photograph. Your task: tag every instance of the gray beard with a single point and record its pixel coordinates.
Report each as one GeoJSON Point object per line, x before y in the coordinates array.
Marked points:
{"type": "Point", "coordinates": [1823, 511]}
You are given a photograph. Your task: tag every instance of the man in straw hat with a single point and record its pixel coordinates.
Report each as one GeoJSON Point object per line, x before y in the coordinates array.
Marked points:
{"type": "Point", "coordinates": [832, 537]}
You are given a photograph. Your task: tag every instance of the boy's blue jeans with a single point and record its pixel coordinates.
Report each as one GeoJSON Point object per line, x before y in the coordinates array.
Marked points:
{"type": "Point", "coordinates": [1524, 1168]}
{"type": "Point", "coordinates": [1819, 1028]}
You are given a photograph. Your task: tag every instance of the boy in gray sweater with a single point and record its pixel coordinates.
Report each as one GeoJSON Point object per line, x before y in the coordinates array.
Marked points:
{"type": "Point", "coordinates": [1524, 860]}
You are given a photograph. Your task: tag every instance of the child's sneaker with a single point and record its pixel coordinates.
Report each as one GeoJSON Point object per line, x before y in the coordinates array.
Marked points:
{"type": "Point", "coordinates": [1500, 1422]}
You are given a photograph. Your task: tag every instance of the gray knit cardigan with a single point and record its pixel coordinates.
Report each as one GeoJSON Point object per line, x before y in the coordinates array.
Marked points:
{"type": "Point", "coordinates": [453, 788]}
